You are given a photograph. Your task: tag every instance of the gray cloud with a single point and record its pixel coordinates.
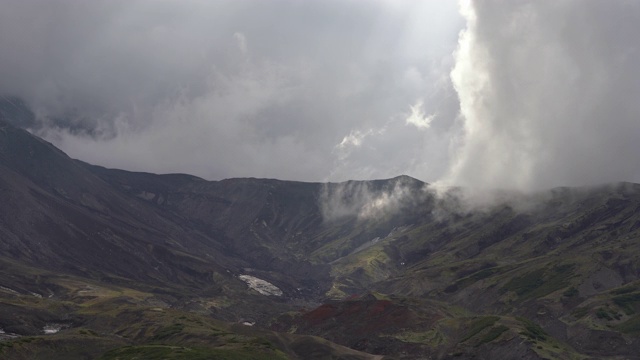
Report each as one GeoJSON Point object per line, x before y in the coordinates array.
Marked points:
{"type": "Point", "coordinates": [542, 93]}
{"type": "Point", "coordinates": [237, 88]}
{"type": "Point", "coordinates": [548, 94]}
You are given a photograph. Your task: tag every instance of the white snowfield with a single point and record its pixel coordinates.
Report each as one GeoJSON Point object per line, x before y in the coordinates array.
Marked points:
{"type": "Point", "coordinates": [262, 286]}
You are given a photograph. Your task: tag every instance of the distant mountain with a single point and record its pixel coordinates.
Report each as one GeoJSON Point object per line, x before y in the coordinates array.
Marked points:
{"type": "Point", "coordinates": [120, 265]}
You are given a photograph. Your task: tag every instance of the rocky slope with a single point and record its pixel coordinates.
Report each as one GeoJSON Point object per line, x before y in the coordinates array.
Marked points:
{"type": "Point", "coordinates": [136, 265]}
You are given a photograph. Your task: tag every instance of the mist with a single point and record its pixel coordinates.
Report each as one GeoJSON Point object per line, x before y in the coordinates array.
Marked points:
{"type": "Point", "coordinates": [371, 200]}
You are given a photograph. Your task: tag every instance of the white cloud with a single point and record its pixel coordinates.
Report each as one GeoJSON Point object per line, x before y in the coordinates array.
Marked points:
{"type": "Point", "coordinates": [365, 201]}
{"type": "Point", "coordinates": [353, 139]}
{"type": "Point", "coordinates": [241, 41]}
{"type": "Point", "coordinates": [417, 117]}
{"type": "Point", "coordinates": [548, 94]}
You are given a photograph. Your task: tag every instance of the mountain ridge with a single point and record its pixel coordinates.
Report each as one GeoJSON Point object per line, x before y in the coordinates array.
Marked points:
{"type": "Point", "coordinates": [385, 267]}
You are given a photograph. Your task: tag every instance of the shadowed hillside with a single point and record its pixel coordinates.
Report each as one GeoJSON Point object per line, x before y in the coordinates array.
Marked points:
{"type": "Point", "coordinates": [111, 264]}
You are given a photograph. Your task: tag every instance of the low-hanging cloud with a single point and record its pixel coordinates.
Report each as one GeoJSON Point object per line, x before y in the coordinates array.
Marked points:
{"type": "Point", "coordinates": [367, 200]}
{"type": "Point", "coordinates": [548, 94]}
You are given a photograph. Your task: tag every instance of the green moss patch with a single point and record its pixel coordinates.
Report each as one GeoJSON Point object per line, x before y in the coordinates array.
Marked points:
{"type": "Point", "coordinates": [492, 334]}
{"type": "Point", "coordinates": [540, 282]}
{"type": "Point", "coordinates": [532, 330]}
{"type": "Point", "coordinates": [631, 326]}
{"type": "Point", "coordinates": [478, 325]}
{"type": "Point", "coordinates": [628, 302]}
{"type": "Point", "coordinates": [167, 332]}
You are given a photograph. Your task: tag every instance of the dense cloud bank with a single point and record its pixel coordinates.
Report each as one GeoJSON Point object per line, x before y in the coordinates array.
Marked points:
{"type": "Point", "coordinates": [519, 95]}
{"type": "Point", "coordinates": [548, 94]}
{"type": "Point", "coordinates": [304, 90]}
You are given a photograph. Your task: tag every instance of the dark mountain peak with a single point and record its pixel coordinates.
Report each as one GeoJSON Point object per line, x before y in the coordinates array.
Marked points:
{"type": "Point", "coordinates": [397, 179]}
{"type": "Point", "coordinates": [266, 181]}
{"type": "Point", "coordinates": [406, 178]}
{"type": "Point", "coordinates": [402, 181]}
{"type": "Point", "coordinates": [406, 181]}
{"type": "Point", "coordinates": [16, 112]}
{"type": "Point", "coordinates": [33, 157]}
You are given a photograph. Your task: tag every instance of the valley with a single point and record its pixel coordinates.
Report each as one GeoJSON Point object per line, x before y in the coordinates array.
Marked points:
{"type": "Point", "coordinates": [110, 264]}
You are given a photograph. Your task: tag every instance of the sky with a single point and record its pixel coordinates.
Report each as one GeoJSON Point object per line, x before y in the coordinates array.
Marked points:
{"type": "Point", "coordinates": [487, 94]}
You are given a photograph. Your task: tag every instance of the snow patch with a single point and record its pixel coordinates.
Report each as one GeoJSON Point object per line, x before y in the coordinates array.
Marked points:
{"type": "Point", "coordinates": [7, 336]}
{"type": "Point", "coordinates": [52, 328]}
{"type": "Point", "coordinates": [262, 286]}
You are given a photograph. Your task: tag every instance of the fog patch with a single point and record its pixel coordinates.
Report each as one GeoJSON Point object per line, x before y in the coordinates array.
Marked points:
{"type": "Point", "coordinates": [369, 199]}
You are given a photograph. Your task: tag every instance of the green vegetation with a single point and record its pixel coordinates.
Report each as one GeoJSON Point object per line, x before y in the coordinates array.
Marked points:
{"type": "Point", "coordinates": [474, 277]}
{"type": "Point", "coordinates": [432, 338]}
{"type": "Point", "coordinates": [579, 312]}
{"type": "Point", "coordinates": [167, 332]}
{"type": "Point", "coordinates": [478, 325]}
{"type": "Point", "coordinates": [152, 352]}
{"type": "Point", "coordinates": [571, 292]}
{"type": "Point", "coordinates": [484, 273]}
{"type": "Point", "coordinates": [5, 344]}
{"type": "Point", "coordinates": [492, 334]}
{"type": "Point", "coordinates": [624, 290]}
{"type": "Point", "coordinates": [631, 326]}
{"type": "Point", "coordinates": [603, 314]}
{"type": "Point", "coordinates": [607, 314]}
{"type": "Point", "coordinates": [540, 282]}
{"type": "Point", "coordinates": [525, 284]}
{"type": "Point", "coordinates": [627, 302]}
{"type": "Point", "coordinates": [87, 332]}
{"type": "Point", "coordinates": [532, 330]}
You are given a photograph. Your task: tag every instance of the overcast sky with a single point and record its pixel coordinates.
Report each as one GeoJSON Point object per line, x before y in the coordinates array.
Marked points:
{"type": "Point", "coordinates": [510, 94]}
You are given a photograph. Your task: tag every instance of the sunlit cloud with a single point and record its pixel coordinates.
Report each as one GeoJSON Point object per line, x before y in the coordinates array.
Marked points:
{"type": "Point", "coordinates": [417, 117]}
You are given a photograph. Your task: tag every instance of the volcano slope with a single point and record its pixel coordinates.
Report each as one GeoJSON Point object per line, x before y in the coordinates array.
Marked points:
{"type": "Point", "coordinates": [121, 265]}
